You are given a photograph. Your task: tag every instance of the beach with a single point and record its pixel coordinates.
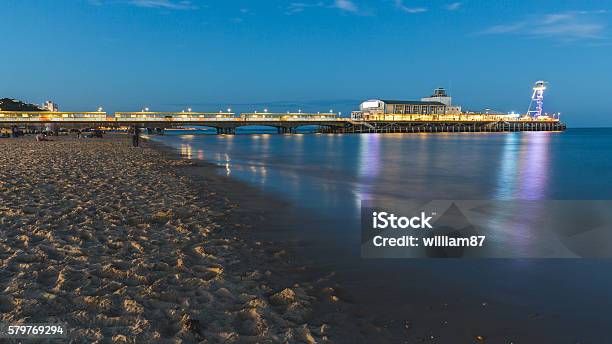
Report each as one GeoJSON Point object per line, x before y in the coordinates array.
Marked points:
{"type": "Point", "coordinates": [125, 245]}
{"type": "Point", "coordinates": [157, 245]}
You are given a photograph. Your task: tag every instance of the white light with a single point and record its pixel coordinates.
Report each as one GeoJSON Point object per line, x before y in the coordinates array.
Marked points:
{"type": "Point", "coordinates": [229, 110]}
{"type": "Point", "coordinates": [370, 104]}
{"type": "Point", "coordinates": [265, 110]}
{"type": "Point", "coordinates": [189, 110]}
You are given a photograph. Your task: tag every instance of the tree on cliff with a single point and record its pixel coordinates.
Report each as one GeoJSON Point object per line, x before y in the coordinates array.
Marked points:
{"type": "Point", "coordinates": [7, 104]}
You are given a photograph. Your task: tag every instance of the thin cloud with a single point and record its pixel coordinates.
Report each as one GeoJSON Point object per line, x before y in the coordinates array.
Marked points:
{"type": "Point", "coordinates": [346, 5]}
{"type": "Point", "coordinates": [297, 7]}
{"type": "Point", "coordinates": [562, 26]}
{"type": "Point", "coordinates": [165, 4]}
{"type": "Point", "coordinates": [453, 6]}
{"type": "Point", "coordinates": [161, 4]}
{"type": "Point", "coordinates": [408, 9]}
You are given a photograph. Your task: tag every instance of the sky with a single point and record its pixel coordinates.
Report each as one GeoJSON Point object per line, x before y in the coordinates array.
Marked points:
{"type": "Point", "coordinates": [319, 55]}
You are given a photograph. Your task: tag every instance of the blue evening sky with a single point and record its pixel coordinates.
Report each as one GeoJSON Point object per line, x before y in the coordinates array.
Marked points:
{"type": "Point", "coordinates": [312, 54]}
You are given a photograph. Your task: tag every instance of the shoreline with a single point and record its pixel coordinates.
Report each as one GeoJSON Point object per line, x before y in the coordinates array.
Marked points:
{"type": "Point", "coordinates": [127, 245]}
{"type": "Point", "coordinates": [275, 221]}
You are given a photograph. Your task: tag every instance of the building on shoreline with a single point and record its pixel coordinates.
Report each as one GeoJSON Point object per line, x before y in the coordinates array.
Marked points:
{"type": "Point", "coordinates": [50, 106]}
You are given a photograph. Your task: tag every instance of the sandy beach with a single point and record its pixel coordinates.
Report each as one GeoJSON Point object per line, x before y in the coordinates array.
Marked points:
{"type": "Point", "coordinates": [123, 246]}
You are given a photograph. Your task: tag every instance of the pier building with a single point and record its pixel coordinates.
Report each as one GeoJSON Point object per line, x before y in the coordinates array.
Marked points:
{"type": "Point", "coordinates": [440, 95]}
{"type": "Point", "coordinates": [439, 103]}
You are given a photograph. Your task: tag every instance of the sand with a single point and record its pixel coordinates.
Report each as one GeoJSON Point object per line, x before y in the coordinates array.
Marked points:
{"type": "Point", "coordinates": [122, 246]}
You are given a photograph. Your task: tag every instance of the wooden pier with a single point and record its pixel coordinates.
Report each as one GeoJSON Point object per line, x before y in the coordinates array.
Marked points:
{"type": "Point", "coordinates": [285, 123]}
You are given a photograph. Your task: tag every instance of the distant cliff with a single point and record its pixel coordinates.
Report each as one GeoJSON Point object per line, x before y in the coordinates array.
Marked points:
{"type": "Point", "coordinates": [7, 104]}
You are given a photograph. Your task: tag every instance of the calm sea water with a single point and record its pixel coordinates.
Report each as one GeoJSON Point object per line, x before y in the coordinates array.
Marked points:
{"type": "Point", "coordinates": [326, 176]}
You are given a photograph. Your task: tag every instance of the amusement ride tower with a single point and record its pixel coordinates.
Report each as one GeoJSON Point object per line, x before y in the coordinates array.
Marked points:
{"type": "Point", "coordinates": [538, 98]}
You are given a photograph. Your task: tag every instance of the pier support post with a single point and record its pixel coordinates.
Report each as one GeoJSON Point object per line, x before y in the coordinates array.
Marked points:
{"type": "Point", "coordinates": [226, 131]}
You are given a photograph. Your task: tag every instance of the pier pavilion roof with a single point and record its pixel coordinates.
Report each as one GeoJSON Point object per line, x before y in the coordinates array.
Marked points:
{"type": "Point", "coordinates": [411, 102]}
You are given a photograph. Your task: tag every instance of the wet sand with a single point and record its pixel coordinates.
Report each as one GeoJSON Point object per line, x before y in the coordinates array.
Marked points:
{"type": "Point", "coordinates": [129, 245]}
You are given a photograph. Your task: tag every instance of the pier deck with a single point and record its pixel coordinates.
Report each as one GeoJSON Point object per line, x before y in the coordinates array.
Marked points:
{"type": "Point", "coordinates": [227, 123]}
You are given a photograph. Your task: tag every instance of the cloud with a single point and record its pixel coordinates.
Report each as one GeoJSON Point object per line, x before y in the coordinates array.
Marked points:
{"type": "Point", "coordinates": [400, 4]}
{"type": "Point", "coordinates": [453, 6]}
{"type": "Point", "coordinates": [562, 26]}
{"type": "Point", "coordinates": [165, 4]}
{"type": "Point", "coordinates": [297, 7]}
{"type": "Point", "coordinates": [161, 4]}
{"type": "Point", "coordinates": [346, 5]}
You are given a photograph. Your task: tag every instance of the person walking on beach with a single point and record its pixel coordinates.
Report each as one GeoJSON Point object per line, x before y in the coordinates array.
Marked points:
{"type": "Point", "coordinates": [136, 137]}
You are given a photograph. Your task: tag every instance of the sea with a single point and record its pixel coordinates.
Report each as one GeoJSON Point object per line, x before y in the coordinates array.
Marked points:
{"type": "Point", "coordinates": [326, 176]}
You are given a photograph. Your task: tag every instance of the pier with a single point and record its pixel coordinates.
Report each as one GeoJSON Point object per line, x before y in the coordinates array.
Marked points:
{"type": "Point", "coordinates": [285, 123]}
{"type": "Point", "coordinates": [476, 126]}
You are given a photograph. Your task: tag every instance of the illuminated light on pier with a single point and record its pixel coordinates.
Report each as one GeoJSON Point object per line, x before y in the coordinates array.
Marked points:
{"type": "Point", "coordinates": [228, 121]}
